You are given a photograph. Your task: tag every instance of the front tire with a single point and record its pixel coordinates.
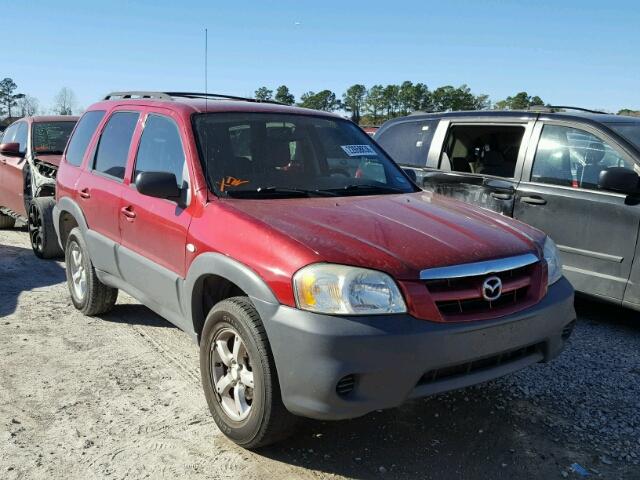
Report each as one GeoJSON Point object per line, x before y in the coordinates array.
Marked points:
{"type": "Point", "coordinates": [42, 233]}
{"type": "Point", "coordinates": [239, 376]}
{"type": "Point", "coordinates": [88, 293]}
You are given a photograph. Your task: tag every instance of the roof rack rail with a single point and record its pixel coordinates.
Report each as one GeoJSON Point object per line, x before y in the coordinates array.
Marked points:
{"type": "Point", "coordinates": [553, 108]}
{"type": "Point", "coordinates": [137, 95]}
{"type": "Point", "coordinates": [171, 95]}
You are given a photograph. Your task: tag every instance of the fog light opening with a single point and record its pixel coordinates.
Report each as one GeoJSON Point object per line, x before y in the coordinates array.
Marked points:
{"type": "Point", "coordinates": [346, 385]}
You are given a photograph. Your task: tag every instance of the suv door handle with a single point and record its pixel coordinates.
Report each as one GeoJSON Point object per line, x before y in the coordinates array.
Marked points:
{"type": "Point", "coordinates": [534, 200]}
{"type": "Point", "coordinates": [128, 212]}
{"type": "Point", "coordinates": [84, 193]}
{"type": "Point", "coordinates": [501, 196]}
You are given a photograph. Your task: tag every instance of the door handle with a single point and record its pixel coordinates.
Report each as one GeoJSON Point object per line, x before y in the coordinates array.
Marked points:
{"type": "Point", "coordinates": [128, 212]}
{"type": "Point", "coordinates": [84, 193]}
{"type": "Point", "coordinates": [3, 160]}
{"type": "Point", "coordinates": [534, 200]}
{"type": "Point", "coordinates": [501, 196]}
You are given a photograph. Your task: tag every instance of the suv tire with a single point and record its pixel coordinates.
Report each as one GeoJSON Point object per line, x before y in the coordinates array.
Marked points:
{"type": "Point", "coordinates": [267, 420]}
{"type": "Point", "coordinates": [42, 234]}
{"type": "Point", "coordinates": [6, 221]}
{"type": "Point", "coordinates": [88, 293]}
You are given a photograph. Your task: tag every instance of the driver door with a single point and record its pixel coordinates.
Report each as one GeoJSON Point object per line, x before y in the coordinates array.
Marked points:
{"type": "Point", "coordinates": [595, 230]}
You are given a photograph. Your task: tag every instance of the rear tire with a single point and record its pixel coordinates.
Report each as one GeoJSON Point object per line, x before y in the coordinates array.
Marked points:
{"type": "Point", "coordinates": [266, 420]}
{"type": "Point", "coordinates": [88, 293]}
{"type": "Point", "coordinates": [42, 233]}
{"type": "Point", "coordinates": [6, 221]}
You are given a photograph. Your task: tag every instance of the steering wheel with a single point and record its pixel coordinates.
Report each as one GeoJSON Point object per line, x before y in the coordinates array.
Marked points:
{"type": "Point", "coordinates": [339, 171]}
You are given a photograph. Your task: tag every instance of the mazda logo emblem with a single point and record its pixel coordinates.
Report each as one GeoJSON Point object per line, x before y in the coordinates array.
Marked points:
{"type": "Point", "coordinates": [491, 289]}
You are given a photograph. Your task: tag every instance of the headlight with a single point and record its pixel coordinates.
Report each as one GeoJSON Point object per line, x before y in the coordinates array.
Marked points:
{"type": "Point", "coordinates": [343, 290]}
{"type": "Point", "coordinates": [552, 257]}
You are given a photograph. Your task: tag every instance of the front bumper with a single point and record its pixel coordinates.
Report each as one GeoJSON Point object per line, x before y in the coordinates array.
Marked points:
{"type": "Point", "coordinates": [389, 356]}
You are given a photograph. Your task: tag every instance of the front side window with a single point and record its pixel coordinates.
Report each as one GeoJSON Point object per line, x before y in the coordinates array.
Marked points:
{"type": "Point", "coordinates": [573, 158]}
{"type": "Point", "coordinates": [50, 137]}
{"type": "Point", "coordinates": [254, 155]}
{"type": "Point", "coordinates": [10, 134]}
{"type": "Point", "coordinates": [82, 136]}
{"type": "Point", "coordinates": [113, 147]}
{"type": "Point", "coordinates": [161, 149]}
{"type": "Point", "coordinates": [408, 142]}
{"type": "Point", "coordinates": [482, 149]}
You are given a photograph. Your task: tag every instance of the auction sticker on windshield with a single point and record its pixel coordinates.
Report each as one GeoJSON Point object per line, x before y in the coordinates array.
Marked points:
{"type": "Point", "coordinates": [358, 150]}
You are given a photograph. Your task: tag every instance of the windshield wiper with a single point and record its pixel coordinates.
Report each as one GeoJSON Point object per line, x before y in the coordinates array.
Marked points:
{"type": "Point", "coordinates": [49, 152]}
{"type": "Point", "coordinates": [279, 191]}
{"type": "Point", "coordinates": [379, 188]}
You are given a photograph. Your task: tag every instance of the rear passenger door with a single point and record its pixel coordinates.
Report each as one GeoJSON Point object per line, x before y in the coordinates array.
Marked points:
{"type": "Point", "coordinates": [154, 230]}
{"type": "Point", "coordinates": [100, 187]}
{"type": "Point", "coordinates": [478, 162]}
{"type": "Point", "coordinates": [595, 230]}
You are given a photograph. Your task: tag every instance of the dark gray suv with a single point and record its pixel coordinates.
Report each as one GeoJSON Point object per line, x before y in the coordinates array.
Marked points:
{"type": "Point", "coordinates": [570, 173]}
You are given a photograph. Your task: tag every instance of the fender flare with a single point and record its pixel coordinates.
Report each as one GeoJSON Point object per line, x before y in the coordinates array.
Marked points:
{"type": "Point", "coordinates": [66, 204]}
{"type": "Point", "coordinates": [211, 263]}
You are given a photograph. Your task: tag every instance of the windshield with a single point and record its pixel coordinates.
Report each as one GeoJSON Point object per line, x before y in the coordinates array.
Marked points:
{"type": "Point", "coordinates": [51, 137]}
{"type": "Point", "coordinates": [263, 155]}
{"type": "Point", "coordinates": [630, 131]}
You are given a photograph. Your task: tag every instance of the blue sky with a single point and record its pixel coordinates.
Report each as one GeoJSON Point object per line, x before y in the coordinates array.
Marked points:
{"type": "Point", "coordinates": [584, 53]}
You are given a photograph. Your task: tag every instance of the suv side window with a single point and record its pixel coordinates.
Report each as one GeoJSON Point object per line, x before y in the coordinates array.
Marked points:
{"type": "Point", "coordinates": [482, 149]}
{"type": "Point", "coordinates": [408, 143]}
{"type": "Point", "coordinates": [574, 158]}
{"type": "Point", "coordinates": [161, 149]}
{"type": "Point", "coordinates": [113, 147]}
{"type": "Point", "coordinates": [81, 137]}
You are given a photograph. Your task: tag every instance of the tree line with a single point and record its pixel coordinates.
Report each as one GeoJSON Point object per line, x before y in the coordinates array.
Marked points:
{"type": "Point", "coordinates": [15, 104]}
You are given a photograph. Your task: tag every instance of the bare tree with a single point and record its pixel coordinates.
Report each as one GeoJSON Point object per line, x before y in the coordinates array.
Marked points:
{"type": "Point", "coordinates": [64, 102]}
{"type": "Point", "coordinates": [28, 106]}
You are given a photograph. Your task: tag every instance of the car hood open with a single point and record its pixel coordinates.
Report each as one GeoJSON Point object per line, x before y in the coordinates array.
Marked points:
{"type": "Point", "coordinates": [400, 234]}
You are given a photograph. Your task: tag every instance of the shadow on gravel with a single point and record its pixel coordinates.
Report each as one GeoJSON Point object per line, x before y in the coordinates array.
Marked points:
{"type": "Point", "coordinates": [452, 436]}
{"type": "Point", "coordinates": [592, 310]}
{"type": "Point", "coordinates": [135, 314]}
{"type": "Point", "coordinates": [21, 271]}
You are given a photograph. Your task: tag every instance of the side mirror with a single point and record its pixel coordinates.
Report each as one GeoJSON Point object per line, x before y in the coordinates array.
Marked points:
{"type": "Point", "coordinates": [619, 179]}
{"type": "Point", "coordinates": [158, 185]}
{"type": "Point", "coordinates": [10, 149]}
{"type": "Point", "coordinates": [411, 173]}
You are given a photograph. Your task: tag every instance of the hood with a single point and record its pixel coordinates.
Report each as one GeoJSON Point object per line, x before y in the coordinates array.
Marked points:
{"type": "Point", "coordinates": [398, 234]}
{"type": "Point", "coordinates": [49, 158]}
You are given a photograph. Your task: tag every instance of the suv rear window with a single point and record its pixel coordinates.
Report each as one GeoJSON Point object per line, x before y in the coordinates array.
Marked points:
{"type": "Point", "coordinates": [482, 149]}
{"type": "Point", "coordinates": [408, 142]}
{"type": "Point", "coordinates": [82, 136]}
{"type": "Point", "coordinates": [51, 137]}
{"type": "Point", "coordinates": [253, 155]}
{"type": "Point", "coordinates": [115, 141]}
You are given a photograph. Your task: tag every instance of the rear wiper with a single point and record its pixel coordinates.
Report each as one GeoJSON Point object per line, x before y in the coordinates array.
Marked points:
{"type": "Point", "coordinates": [279, 191]}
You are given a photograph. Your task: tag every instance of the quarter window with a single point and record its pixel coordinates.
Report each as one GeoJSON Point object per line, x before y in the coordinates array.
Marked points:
{"type": "Point", "coordinates": [574, 158]}
{"type": "Point", "coordinates": [161, 149]}
{"type": "Point", "coordinates": [82, 136]}
{"type": "Point", "coordinates": [408, 142]}
{"type": "Point", "coordinates": [113, 148]}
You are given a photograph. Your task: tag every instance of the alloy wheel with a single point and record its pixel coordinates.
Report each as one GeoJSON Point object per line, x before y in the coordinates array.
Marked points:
{"type": "Point", "coordinates": [78, 272]}
{"type": "Point", "coordinates": [232, 374]}
{"type": "Point", "coordinates": [36, 228]}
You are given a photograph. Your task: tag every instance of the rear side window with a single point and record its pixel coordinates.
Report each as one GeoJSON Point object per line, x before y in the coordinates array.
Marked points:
{"type": "Point", "coordinates": [161, 148]}
{"type": "Point", "coordinates": [408, 142]}
{"type": "Point", "coordinates": [482, 149]}
{"type": "Point", "coordinates": [82, 136]}
{"type": "Point", "coordinates": [113, 148]}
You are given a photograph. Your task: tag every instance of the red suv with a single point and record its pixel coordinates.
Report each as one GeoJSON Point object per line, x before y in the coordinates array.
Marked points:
{"type": "Point", "coordinates": [29, 157]}
{"type": "Point", "coordinates": [317, 279]}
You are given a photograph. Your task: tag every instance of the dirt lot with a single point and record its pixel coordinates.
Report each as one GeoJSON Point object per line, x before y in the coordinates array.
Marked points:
{"type": "Point", "coordinates": [120, 397]}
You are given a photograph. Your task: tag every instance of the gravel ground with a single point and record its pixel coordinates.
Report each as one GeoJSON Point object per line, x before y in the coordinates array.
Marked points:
{"type": "Point", "coordinates": [120, 397]}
